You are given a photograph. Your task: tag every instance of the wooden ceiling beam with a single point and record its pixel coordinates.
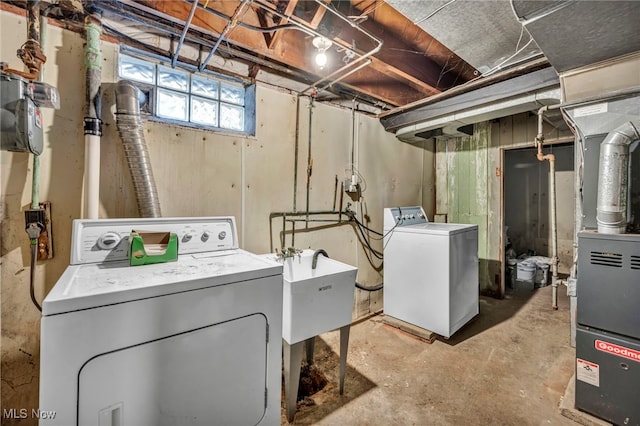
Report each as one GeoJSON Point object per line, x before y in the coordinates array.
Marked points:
{"type": "Point", "coordinates": [262, 18]}
{"type": "Point", "coordinates": [390, 89]}
{"type": "Point", "coordinates": [291, 6]}
{"type": "Point", "coordinates": [317, 17]}
{"type": "Point", "coordinates": [410, 48]}
{"type": "Point", "coordinates": [386, 78]}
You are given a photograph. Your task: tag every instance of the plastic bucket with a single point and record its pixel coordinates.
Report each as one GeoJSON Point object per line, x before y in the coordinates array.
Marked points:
{"type": "Point", "coordinates": [526, 271]}
{"type": "Point", "coordinates": [542, 274]}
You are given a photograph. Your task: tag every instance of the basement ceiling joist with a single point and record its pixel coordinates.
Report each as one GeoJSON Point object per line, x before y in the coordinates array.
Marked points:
{"type": "Point", "coordinates": [410, 65]}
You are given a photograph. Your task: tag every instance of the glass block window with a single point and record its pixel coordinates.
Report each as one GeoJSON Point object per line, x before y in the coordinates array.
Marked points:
{"type": "Point", "coordinates": [183, 96]}
{"type": "Point", "coordinates": [137, 70]}
{"type": "Point", "coordinates": [172, 105]}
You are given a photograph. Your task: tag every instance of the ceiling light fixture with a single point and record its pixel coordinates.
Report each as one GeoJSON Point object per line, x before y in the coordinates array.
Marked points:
{"type": "Point", "coordinates": [322, 44]}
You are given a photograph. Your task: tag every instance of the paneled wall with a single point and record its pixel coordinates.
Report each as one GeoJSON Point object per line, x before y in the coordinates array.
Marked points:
{"type": "Point", "coordinates": [469, 178]}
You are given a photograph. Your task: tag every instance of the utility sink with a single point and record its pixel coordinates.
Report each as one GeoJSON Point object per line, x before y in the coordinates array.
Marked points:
{"type": "Point", "coordinates": [315, 300]}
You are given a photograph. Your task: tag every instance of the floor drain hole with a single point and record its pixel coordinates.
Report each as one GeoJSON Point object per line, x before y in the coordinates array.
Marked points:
{"type": "Point", "coordinates": [312, 380]}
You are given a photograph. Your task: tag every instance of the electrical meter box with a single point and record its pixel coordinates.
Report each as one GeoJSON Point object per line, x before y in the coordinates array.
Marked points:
{"type": "Point", "coordinates": [20, 117]}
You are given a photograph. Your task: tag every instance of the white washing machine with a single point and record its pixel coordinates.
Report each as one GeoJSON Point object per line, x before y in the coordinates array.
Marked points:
{"type": "Point", "coordinates": [197, 341]}
{"type": "Point", "coordinates": [430, 271]}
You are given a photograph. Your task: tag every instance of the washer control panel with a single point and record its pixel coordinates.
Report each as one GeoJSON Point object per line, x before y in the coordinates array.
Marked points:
{"type": "Point", "coordinates": [404, 216]}
{"type": "Point", "coordinates": [106, 240]}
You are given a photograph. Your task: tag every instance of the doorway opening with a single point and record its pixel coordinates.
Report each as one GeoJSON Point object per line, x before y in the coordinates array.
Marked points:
{"type": "Point", "coordinates": [527, 216]}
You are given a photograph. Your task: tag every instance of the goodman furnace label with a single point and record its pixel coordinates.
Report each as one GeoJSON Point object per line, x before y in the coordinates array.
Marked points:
{"type": "Point", "coordinates": [621, 351]}
{"type": "Point", "coordinates": [588, 372]}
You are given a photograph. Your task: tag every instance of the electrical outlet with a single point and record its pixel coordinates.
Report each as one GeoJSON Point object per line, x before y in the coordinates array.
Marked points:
{"type": "Point", "coordinates": [45, 240]}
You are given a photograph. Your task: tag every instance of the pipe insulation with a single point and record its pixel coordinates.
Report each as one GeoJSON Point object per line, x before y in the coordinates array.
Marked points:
{"type": "Point", "coordinates": [131, 132]}
{"type": "Point", "coordinates": [613, 178]}
{"type": "Point", "coordinates": [92, 122]}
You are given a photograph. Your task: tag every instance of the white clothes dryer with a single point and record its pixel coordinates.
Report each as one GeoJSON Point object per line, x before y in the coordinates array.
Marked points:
{"type": "Point", "coordinates": [195, 341]}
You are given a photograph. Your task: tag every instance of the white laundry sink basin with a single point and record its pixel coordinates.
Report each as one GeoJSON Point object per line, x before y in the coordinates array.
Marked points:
{"type": "Point", "coordinates": [315, 300]}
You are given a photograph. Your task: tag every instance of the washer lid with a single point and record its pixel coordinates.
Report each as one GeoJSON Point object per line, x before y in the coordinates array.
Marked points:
{"type": "Point", "coordinates": [434, 228]}
{"type": "Point", "coordinates": [93, 285]}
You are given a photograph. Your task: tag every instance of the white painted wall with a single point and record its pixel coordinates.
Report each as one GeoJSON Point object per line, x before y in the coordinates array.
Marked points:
{"type": "Point", "coordinates": [197, 173]}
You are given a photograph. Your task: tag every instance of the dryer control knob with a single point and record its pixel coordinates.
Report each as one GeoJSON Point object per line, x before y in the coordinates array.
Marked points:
{"type": "Point", "coordinates": [108, 240]}
{"type": "Point", "coordinates": [187, 237]}
{"type": "Point", "coordinates": [205, 236]}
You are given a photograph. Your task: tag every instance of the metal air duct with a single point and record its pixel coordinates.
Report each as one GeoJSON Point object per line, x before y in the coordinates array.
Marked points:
{"type": "Point", "coordinates": [575, 33]}
{"type": "Point", "coordinates": [613, 179]}
{"type": "Point", "coordinates": [135, 148]}
{"type": "Point", "coordinates": [454, 116]}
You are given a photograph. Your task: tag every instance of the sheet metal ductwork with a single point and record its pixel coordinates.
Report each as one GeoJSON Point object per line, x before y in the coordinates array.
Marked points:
{"type": "Point", "coordinates": [135, 148]}
{"type": "Point", "coordinates": [575, 33]}
{"type": "Point", "coordinates": [613, 178]}
{"type": "Point", "coordinates": [455, 116]}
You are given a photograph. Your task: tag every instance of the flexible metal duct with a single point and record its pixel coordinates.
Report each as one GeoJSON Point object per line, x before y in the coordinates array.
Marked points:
{"type": "Point", "coordinates": [613, 179]}
{"type": "Point", "coordinates": [135, 148]}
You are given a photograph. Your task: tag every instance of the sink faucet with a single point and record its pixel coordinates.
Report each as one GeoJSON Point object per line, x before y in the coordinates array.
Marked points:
{"type": "Point", "coordinates": [316, 253]}
{"type": "Point", "coordinates": [288, 252]}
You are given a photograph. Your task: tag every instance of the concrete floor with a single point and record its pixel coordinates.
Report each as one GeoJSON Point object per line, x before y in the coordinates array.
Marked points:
{"type": "Point", "coordinates": [508, 366]}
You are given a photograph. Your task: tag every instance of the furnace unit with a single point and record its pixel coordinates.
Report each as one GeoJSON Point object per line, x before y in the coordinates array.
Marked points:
{"type": "Point", "coordinates": [608, 331]}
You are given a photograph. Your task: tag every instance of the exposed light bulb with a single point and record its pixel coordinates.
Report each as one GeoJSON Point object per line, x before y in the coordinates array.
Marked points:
{"type": "Point", "coordinates": [322, 44]}
{"type": "Point", "coordinates": [321, 59]}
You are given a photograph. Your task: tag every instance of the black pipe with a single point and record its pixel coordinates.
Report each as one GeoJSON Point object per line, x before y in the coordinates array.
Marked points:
{"type": "Point", "coordinates": [34, 249]}
{"type": "Point", "coordinates": [314, 261]}
{"type": "Point", "coordinates": [372, 288]}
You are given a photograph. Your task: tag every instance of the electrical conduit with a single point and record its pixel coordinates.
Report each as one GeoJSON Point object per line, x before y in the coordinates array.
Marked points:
{"type": "Point", "coordinates": [92, 122]}
{"type": "Point", "coordinates": [309, 158]}
{"type": "Point", "coordinates": [135, 149]}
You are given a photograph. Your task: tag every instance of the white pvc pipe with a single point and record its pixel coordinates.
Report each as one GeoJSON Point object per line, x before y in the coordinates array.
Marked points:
{"type": "Point", "coordinates": [554, 232]}
{"type": "Point", "coordinates": [91, 176]}
{"type": "Point", "coordinates": [552, 207]}
{"type": "Point", "coordinates": [92, 123]}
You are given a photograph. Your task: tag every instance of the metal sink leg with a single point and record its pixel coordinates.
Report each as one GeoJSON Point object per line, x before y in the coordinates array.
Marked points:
{"type": "Point", "coordinates": [344, 345]}
{"type": "Point", "coordinates": [309, 346]}
{"type": "Point", "coordinates": [292, 364]}
{"type": "Point", "coordinates": [292, 360]}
